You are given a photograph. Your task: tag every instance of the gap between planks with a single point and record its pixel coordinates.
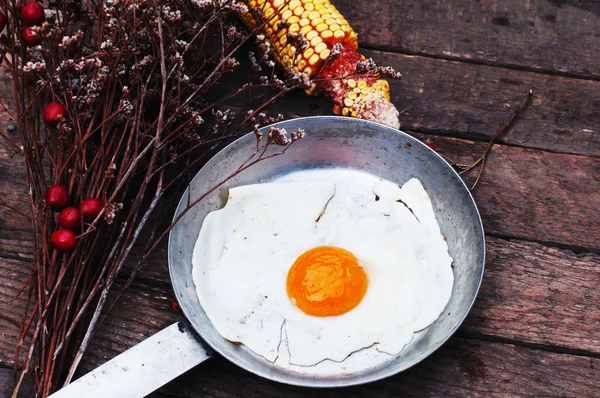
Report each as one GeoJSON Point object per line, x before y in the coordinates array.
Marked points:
{"type": "Point", "coordinates": [509, 66]}
{"type": "Point", "coordinates": [533, 35]}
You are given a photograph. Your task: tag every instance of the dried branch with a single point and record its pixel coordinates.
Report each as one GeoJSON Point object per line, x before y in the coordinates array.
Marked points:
{"type": "Point", "coordinates": [481, 160]}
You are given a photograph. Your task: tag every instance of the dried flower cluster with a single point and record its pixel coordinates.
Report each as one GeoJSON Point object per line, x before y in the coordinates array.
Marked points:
{"type": "Point", "coordinates": [139, 92]}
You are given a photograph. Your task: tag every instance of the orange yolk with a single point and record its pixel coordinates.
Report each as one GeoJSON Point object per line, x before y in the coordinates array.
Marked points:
{"type": "Point", "coordinates": [326, 281]}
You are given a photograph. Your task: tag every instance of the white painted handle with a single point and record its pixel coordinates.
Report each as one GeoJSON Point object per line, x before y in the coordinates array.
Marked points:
{"type": "Point", "coordinates": [143, 368]}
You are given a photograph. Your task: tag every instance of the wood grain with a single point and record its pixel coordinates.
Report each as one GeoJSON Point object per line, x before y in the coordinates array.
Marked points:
{"type": "Point", "coordinates": [539, 295]}
{"type": "Point", "coordinates": [530, 293]}
{"type": "Point", "coordinates": [7, 383]}
{"type": "Point", "coordinates": [535, 195]}
{"type": "Point", "coordinates": [473, 101]}
{"type": "Point", "coordinates": [461, 368]}
{"type": "Point", "coordinates": [13, 274]}
{"type": "Point", "coordinates": [546, 35]}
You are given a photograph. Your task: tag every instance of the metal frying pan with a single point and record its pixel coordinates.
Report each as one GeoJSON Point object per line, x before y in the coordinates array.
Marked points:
{"type": "Point", "coordinates": [331, 142]}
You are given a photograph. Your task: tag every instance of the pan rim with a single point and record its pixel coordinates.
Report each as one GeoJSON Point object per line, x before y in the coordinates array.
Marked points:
{"type": "Point", "coordinates": [387, 370]}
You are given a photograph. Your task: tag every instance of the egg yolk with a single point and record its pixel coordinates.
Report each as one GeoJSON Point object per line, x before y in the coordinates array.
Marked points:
{"type": "Point", "coordinates": [326, 281]}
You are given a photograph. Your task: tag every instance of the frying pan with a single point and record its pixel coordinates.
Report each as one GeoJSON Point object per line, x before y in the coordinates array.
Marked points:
{"type": "Point", "coordinates": [331, 142]}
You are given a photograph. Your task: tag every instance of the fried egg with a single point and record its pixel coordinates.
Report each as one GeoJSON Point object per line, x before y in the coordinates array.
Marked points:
{"type": "Point", "coordinates": [315, 267]}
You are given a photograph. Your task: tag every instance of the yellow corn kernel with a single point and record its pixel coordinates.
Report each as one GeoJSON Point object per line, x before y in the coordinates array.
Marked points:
{"type": "Point", "coordinates": [317, 21]}
{"type": "Point", "coordinates": [348, 102]}
{"type": "Point", "coordinates": [346, 112]}
{"type": "Point", "coordinates": [281, 33]}
{"type": "Point", "coordinates": [311, 35]}
{"type": "Point", "coordinates": [352, 95]}
{"type": "Point", "coordinates": [320, 47]}
{"type": "Point", "coordinates": [362, 84]}
{"type": "Point", "coordinates": [352, 83]}
{"type": "Point", "coordinates": [321, 27]}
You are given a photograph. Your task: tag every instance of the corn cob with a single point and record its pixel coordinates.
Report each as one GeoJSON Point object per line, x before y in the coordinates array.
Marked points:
{"type": "Point", "coordinates": [323, 27]}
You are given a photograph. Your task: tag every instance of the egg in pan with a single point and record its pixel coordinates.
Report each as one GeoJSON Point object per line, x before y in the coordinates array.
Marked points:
{"type": "Point", "coordinates": [309, 270]}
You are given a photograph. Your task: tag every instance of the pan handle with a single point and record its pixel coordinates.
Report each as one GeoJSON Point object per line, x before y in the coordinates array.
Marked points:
{"type": "Point", "coordinates": [144, 367]}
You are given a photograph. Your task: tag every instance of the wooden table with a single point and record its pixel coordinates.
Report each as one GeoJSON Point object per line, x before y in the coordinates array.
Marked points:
{"type": "Point", "coordinates": [535, 328]}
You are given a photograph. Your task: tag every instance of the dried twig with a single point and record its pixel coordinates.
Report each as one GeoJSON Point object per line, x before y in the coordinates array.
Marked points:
{"type": "Point", "coordinates": [481, 160]}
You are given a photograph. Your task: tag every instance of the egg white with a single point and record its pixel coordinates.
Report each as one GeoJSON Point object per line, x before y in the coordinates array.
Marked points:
{"type": "Point", "coordinates": [244, 252]}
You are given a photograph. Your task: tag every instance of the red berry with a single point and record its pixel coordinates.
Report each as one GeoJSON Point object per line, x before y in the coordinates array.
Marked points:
{"type": "Point", "coordinates": [32, 14]}
{"type": "Point", "coordinates": [2, 21]}
{"type": "Point", "coordinates": [30, 37]}
{"type": "Point", "coordinates": [63, 240]}
{"type": "Point", "coordinates": [57, 196]}
{"type": "Point", "coordinates": [70, 218]}
{"type": "Point", "coordinates": [90, 208]}
{"type": "Point", "coordinates": [54, 113]}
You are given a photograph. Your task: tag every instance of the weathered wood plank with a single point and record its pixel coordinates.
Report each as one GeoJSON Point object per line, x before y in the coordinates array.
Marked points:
{"type": "Point", "coordinates": [546, 35]}
{"type": "Point", "coordinates": [461, 368]}
{"type": "Point", "coordinates": [540, 295]}
{"type": "Point", "coordinates": [523, 193]}
{"type": "Point", "coordinates": [473, 101]}
{"type": "Point", "coordinates": [530, 293]}
{"type": "Point", "coordinates": [514, 200]}
{"type": "Point", "coordinates": [526, 194]}
{"type": "Point", "coordinates": [13, 274]}
{"type": "Point", "coordinates": [7, 383]}
{"type": "Point", "coordinates": [534, 195]}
